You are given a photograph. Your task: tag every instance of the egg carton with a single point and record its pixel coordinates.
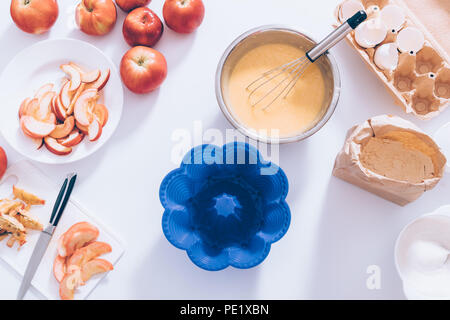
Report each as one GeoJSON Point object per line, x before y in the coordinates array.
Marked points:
{"type": "Point", "coordinates": [407, 58]}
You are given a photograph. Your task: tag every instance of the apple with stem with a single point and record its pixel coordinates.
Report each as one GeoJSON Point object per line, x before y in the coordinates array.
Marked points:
{"type": "Point", "coordinates": [183, 16]}
{"type": "Point", "coordinates": [143, 69]}
{"type": "Point", "coordinates": [34, 16]}
{"type": "Point", "coordinates": [142, 27]}
{"type": "Point", "coordinates": [96, 17]}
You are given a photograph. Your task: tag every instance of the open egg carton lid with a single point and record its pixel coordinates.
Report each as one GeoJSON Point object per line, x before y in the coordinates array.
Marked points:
{"type": "Point", "coordinates": [402, 52]}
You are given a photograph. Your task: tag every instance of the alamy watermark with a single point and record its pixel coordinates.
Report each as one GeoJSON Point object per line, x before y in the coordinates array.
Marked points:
{"type": "Point", "coordinates": [184, 140]}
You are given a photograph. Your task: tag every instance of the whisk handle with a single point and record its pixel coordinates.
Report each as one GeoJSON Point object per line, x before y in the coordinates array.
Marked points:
{"type": "Point", "coordinates": [336, 36]}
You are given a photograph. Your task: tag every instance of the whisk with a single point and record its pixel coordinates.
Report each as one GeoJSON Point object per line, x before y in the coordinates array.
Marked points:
{"type": "Point", "coordinates": [292, 71]}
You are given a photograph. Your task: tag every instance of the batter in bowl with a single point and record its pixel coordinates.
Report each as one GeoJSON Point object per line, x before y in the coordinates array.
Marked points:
{"type": "Point", "coordinates": [296, 113]}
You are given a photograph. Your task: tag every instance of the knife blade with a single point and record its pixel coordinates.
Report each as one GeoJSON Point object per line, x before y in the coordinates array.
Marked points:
{"type": "Point", "coordinates": [46, 234]}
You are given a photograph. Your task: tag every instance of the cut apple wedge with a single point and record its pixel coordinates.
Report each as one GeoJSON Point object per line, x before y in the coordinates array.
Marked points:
{"type": "Point", "coordinates": [85, 254]}
{"type": "Point", "coordinates": [92, 76]}
{"type": "Point", "coordinates": [45, 106]}
{"type": "Point", "coordinates": [75, 98]}
{"type": "Point", "coordinates": [59, 110]}
{"type": "Point", "coordinates": [64, 95]}
{"type": "Point", "coordinates": [101, 113]}
{"type": "Point", "coordinates": [94, 267]}
{"type": "Point", "coordinates": [74, 138]}
{"type": "Point", "coordinates": [63, 130]}
{"type": "Point", "coordinates": [76, 237]}
{"type": "Point", "coordinates": [35, 128]}
{"type": "Point", "coordinates": [43, 90]}
{"type": "Point", "coordinates": [101, 81]}
{"type": "Point", "coordinates": [94, 130]}
{"type": "Point", "coordinates": [82, 107]}
{"type": "Point", "coordinates": [23, 107]}
{"type": "Point", "coordinates": [74, 74]}
{"type": "Point", "coordinates": [53, 146]}
{"type": "Point", "coordinates": [59, 268]}
{"type": "Point", "coordinates": [68, 285]}
{"type": "Point", "coordinates": [83, 129]}
{"type": "Point", "coordinates": [38, 142]}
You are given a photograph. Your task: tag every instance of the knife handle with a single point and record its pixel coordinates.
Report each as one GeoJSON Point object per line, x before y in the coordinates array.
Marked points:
{"type": "Point", "coordinates": [63, 198]}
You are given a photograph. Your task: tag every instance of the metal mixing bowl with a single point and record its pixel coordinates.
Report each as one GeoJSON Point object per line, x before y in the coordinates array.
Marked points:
{"type": "Point", "coordinates": [276, 34]}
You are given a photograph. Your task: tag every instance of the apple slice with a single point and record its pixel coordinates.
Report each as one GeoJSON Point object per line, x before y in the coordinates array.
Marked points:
{"type": "Point", "coordinates": [77, 94]}
{"type": "Point", "coordinates": [74, 138]}
{"type": "Point", "coordinates": [74, 74]}
{"type": "Point", "coordinates": [44, 110]}
{"type": "Point", "coordinates": [59, 268]}
{"type": "Point", "coordinates": [53, 146]}
{"type": "Point", "coordinates": [83, 129]}
{"type": "Point", "coordinates": [64, 95]}
{"type": "Point", "coordinates": [82, 110]}
{"type": "Point", "coordinates": [68, 285]}
{"type": "Point", "coordinates": [92, 76]}
{"type": "Point", "coordinates": [94, 267]}
{"type": "Point", "coordinates": [94, 130]}
{"type": "Point", "coordinates": [85, 254]}
{"type": "Point", "coordinates": [43, 90]}
{"type": "Point", "coordinates": [39, 142]}
{"type": "Point", "coordinates": [35, 128]}
{"type": "Point", "coordinates": [101, 81]}
{"type": "Point", "coordinates": [23, 107]}
{"type": "Point", "coordinates": [59, 110]}
{"type": "Point", "coordinates": [76, 237]}
{"type": "Point", "coordinates": [63, 130]}
{"type": "Point", "coordinates": [101, 113]}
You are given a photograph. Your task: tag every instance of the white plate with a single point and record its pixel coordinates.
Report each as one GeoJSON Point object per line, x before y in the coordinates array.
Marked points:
{"type": "Point", "coordinates": [39, 64]}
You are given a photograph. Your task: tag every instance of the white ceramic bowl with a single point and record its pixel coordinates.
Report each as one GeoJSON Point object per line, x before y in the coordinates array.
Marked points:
{"type": "Point", "coordinates": [411, 292]}
{"type": "Point", "coordinates": [39, 64]}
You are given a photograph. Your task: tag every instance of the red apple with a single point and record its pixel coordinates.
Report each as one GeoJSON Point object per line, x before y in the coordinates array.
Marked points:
{"type": "Point", "coordinates": [34, 16]}
{"type": "Point", "coordinates": [128, 5]}
{"type": "Point", "coordinates": [96, 17]}
{"type": "Point", "coordinates": [143, 69]}
{"type": "Point", "coordinates": [142, 27]}
{"type": "Point", "coordinates": [3, 162]}
{"type": "Point", "coordinates": [183, 16]}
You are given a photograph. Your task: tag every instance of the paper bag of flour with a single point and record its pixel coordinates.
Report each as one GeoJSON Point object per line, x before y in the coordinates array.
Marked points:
{"type": "Point", "coordinates": [390, 157]}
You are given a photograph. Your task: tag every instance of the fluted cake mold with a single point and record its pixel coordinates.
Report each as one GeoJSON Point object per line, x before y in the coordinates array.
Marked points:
{"type": "Point", "coordinates": [225, 206]}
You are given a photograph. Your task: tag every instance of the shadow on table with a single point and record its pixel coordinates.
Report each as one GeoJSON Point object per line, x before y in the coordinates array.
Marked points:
{"type": "Point", "coordinates": [356, 230]}
{"type": "Point", "coordinates": [168, 273]}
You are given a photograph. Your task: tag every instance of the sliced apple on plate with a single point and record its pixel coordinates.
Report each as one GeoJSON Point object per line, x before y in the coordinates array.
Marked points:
{"type": "Point", "coordinates": [54, 146]}
{"type": "Point", "coordinates": [64, 129]}
{"type": "Point", "coordinates": [101, 81]}
{"type": "Point", "coordinates": [85, 254]}
{"type": "Point", "coordinates": [83, 105]}
{"type": "Point", "coordinates": [35, 128]}
{"type": "Point", "coordinates": [43, 90]}
{"type": "Point", "coordinates": [59, 110]}
{"type": "Point", "coordinates": [38, 142]}
{"type": "Point", "coordinates": [75, 98]}
{"type": "Point", "coordinates": [74, 74]}
{"type": "Point", "coordinates": [94, 130]}
{"type": "Point", "coordinates": [68, 285]}
{"type": "Point", "coordinates": [45, 109]}
{"type": "Point", "coordinates": [64, 95]}
{"type": "Point", "coordinates": [24, 106]}
{"type": "Point", "coordinates": [101, 113]}
{"type": "Point", "coordinates": [74, 138]}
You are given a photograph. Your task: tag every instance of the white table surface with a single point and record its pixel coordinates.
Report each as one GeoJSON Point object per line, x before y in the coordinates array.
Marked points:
{"type": "Point", "coordinates": [337, 230]}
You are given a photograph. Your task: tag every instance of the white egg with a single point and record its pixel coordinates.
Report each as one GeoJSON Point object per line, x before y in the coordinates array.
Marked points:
{"type": "Point", "coordinates": [349, 8]}
{"type": "Point", "coordinates": [386, 56]}
{"type": "Point", "coordinates": [393, 17]}
{"type": "Point", "coordinates": [370, 33]}
{"type": "Point", "coordinates": [410, 39]}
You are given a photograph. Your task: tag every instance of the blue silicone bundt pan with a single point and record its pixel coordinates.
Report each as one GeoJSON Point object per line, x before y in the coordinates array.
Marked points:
{"type": "Point", "coordinates": [225, 206]}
